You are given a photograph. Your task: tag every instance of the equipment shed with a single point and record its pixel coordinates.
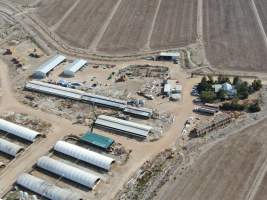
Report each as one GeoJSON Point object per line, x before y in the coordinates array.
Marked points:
{"type": "Point", "coordinates": [42, 71]}
{"type": "Point", "coordinates": [9, 148]}
{"type": "Point", "coordinates": [19, 131]}
{"type": "Point", "coordinates": [85, 155]}
{"type": "Point", "coordinates": [46, 189]}
{"type": "Point", "coordinates": [69, 172]}
{"type": "Point", "coordinates": [97, 140]}
{"type": "Point", "coordinates": [74, 67]}
{"type": "Point", "coordinates": [123, 126]}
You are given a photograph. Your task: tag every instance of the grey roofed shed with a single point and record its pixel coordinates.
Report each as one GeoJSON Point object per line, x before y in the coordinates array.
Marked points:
{"type": "Point", "coordinates": [67, 171]}
{"type": "Point", "coordinates": [48, 66]}
{"type": "Point", "coordinates": [123, 126]}
{"type": "Point", "coordinates": [9, 148]}
{"type": "Point", "coordinates": [72, 68]}
{"type": "Point", "coordinates": [46, 189]}
{"type": "Point", "coordinates": [18, 130]}
{"type": "Point", "coordinates": [143, 112]}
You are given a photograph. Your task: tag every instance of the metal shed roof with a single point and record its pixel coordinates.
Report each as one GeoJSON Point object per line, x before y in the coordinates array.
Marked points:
{"type": "Point", "coordinates": [144, 112]}
{"type": "Point", "coordinates": [74, 67]}
{"type": "Point", "coordinates": [46, 189]}
{"type": "Point", "coordinates": [84, 154]}
{"type": "Point", "coordinates": [106, 101]}
{"type": "Point", "coordinates": [9, 148]}
{"type": "Point", "coordinates": [18, 131]}
{"type": "Point", "coordinates": [48, 66]}
{"type": "Point", "coordinates": [55, 90]}
{"type": "Point", "coordinates": [124, 126]}
{"type": "Point", "coordinates": [171, 54]}
{"type": "Point", "coordinates": [69, 172]}
{"type": "Point", "coordinates": [97, 140]}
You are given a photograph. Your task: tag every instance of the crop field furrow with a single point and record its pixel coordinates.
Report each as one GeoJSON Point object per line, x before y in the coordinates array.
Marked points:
{"type": "Point", "coordinates": [52, 11]}
{"type": "Point", "coordinates": [129, 28]}
{"type": "Point", "coordinates": [177, 27]}
{"type": "Point", "coordinates": [232, 36]}
{"type": "Point", "coordinates": [82, 25]}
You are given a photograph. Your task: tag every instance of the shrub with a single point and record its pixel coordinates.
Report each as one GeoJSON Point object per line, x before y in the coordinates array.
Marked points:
{"type": "Point", "coordinates": [208, 96]}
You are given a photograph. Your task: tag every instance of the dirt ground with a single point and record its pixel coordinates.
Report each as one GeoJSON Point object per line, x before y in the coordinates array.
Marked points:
{"type": "Point", "coordinates": [236, 164]}
{"type": "Point", "coordinates": [231, 42]}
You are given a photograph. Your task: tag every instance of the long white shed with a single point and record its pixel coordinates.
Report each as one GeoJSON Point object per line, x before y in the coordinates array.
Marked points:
{"type": "Point", "coordinates": [9, 148]}
{"type": "Point", "coordinates": [46, 189]}
{"type": "Point", "coordinates": [123, 126]}
{"type": "Point", "coordinates": [46, 67]}
{"type": "Point", "coordinates": [19, 131]}
{"type": "Point", "coordinates": [67, 171]}
{"type": "Point", "coordinates": [72, 68]}
{"type": "Point", "coordinates": [85, 155]}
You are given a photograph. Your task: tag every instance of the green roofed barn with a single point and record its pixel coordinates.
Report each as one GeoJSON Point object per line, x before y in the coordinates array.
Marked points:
{"type": "Point", "coordinates": [97, 140]}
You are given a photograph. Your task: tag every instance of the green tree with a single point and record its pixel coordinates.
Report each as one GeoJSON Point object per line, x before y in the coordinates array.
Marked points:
{"type": "Point", "coordinates": [256, 85]}
{"type": "Point", "coordinates": [223, 79]}
{"type": "Point", "coordinates": [208, 96]}
{"type": "Point", "coordinates": [254, 107]}
{"type": "Point", "coordinates": [204, 85]}
{"type": "Point", "coordinates": [243, 90]}
{"type": "Point", "coordinates": [236, 80]}
{"type": "Point", "coordinates": [222, 95]}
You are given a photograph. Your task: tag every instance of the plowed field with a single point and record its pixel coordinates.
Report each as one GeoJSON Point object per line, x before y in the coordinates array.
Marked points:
{"type": "Point", "coordinates": [232, 36]}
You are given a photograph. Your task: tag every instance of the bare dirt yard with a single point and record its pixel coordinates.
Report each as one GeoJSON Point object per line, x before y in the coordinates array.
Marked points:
{"type": "Point", "coordinates": [177, 26]}
{"type": "Point", "coordinates": [230, 169]}
{"type": "Point", "coordinates": [232, 36]}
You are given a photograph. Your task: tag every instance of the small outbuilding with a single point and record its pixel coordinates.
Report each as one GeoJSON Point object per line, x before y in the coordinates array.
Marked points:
{"type": "Point", "coordinates": [42, 71]}
{"type": "Point", "coordinates": [97, 140]}
{"type": "Point", "coordinates": [72, 68]}
{"type": "Point", "coordinates": [67, 171]}
{"type": "Point", "coordinates": [19, 131]}
{"type": "Point", "coordinates": [46, 189]}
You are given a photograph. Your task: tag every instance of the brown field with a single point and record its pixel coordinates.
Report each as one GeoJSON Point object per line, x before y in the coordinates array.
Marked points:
{"type": "Point", "coordinates": [121, 26]}
{"type": "Point", "coordinates": [262, 10]}
{"type": "Point", "coordinates": [51, 11]}
{"type": "Point", "coordinates": [175, 24]}
{"type": "Point", "coordinates": [83, 23]}
{"type": "Point", "coordinates": [232, 36]}
{"type": "Point", "coordinates": [227, 171]}
{"type": "Point", "coordinates": [129, 28]}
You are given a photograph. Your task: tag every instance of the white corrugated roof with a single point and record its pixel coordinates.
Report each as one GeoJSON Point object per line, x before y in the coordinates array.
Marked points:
{"type": "Point", "coordinates": [9, 148]}
{"type": "Point", "coordinates": [83, 154]}
{"type": "Point", "coordinates": [74, 67]}
{"type": "Point", "coordinates": [46, 189]}
{"type": "Point", "coordinates": [49, 65]}
{"type": "Point", "coordinates": [69, 172]}
{"type": "Point", "coordinates": [123, 125]}
{"type": "Point", "coordinates": [18, 131]}
{"type": "Point", "coordinates": [172, 54]}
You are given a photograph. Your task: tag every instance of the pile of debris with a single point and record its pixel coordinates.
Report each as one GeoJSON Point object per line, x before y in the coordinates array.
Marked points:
{"type": "Point", "coordinates": [160, 72]}
{"type": "Point", "coordinates": [151, 176]}
{"type": "Point", "coordinates": [219, 120]}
